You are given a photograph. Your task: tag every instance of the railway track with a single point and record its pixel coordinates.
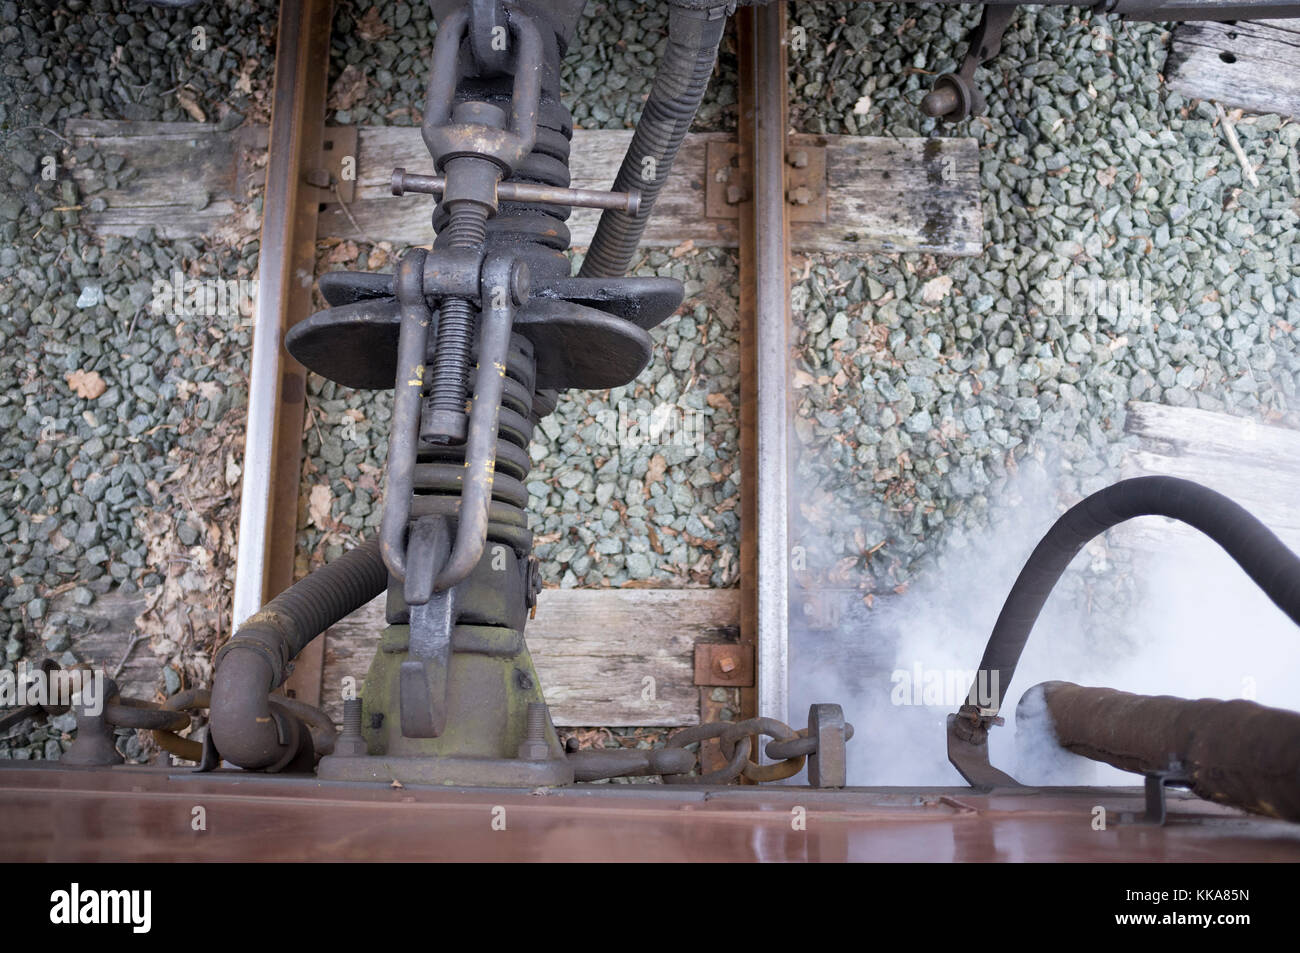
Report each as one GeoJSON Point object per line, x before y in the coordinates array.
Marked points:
{"type": "Point", "coordinates": [292, 818]}
{"type": "Point", "coordinates": [269, 506]}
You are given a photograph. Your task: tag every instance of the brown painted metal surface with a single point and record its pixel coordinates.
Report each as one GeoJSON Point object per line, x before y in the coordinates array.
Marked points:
{"type": "Point", "coordinates": [135, 813]}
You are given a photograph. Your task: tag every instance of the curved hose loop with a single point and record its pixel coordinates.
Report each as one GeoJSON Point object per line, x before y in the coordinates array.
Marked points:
{"type": "Point", "coordinates": [679, 86]}
{"type": "Point", "coordinates": [1251, 544]}
{"type": "Point", "coordinates": [256, 660]}
{"type": "Point", "coordinates": [322, 729]}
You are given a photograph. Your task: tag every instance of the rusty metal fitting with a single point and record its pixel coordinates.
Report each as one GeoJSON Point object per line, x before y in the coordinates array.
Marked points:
{"type": "Point", "coordinates": [534, 746]}
{"type": "Point", "coordinates": [350, 744]}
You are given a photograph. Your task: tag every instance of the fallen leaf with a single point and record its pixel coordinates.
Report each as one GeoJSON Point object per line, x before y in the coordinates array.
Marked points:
{"type": "Point", "coordinates": [370, 27]}
{"type": "Point", "coordinates": [244, 81]}
{"type": "Point", "coordinates": [318, 505]}
{"type": "Point", "coordinates": [683, 248]}
{"type": "Point", "coordinates": [936, 289]}
{"type": "Point", "coordinates": [396, 784]}
{"type": "Point", "coordinates": [190, 103]}
{"type": "Point", "coordinates": [348, 88]}
{"type": "Point", "coordinates": [343, 251]}
{"type": "Point", "coordinates": [87, 384]}
{"type": "Point", "coordinates": [655, 471]}
{"type": "Point", "coordinates": [718, 401]}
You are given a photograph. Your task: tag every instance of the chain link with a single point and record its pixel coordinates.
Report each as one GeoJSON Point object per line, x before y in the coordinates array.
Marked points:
{"type": "Point", "coordinates": [788, 748]}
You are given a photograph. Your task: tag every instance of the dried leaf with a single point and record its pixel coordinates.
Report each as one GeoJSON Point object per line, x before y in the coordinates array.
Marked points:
{"type": "Point", "coordinates": [244, 81]}
{"type": "Point", "coordinates": [936, 289]}
{"type": "Point", "coordinates": [318, 505]}
{"type": "Point", "coordinates": [87, 384]}
{"type": "Point", "coordinates": [348, 88]}
{"type": "Point", "coordinates": [371, 27]}
{"type": "Point", "coordinates": [342, 252]}
{"type": "Point", "coordinates": [190, 103]}
{"type": "Point", "coordinates": [655, 471]}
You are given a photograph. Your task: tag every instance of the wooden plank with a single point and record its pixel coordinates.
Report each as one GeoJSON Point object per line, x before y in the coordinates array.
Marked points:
{"type": "Point", "coordinates": [184, 179]}
{"type": "Point", "coordinates": [111, 626]}
{"type": "Point", "coordinates": [1257, 465]}
{"type": "Point", "coordinates": [888, 195]}
{"type": "Point", "coordinates": [594, 650]}
{"type": "Point", "coordinates": [1254, 65]}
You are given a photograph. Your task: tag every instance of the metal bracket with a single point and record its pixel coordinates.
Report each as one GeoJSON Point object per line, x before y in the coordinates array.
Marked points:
{"type": "Point", "coordinates": [423, 678]}
{"type": "Point", "coordinates": [333, 178]}
{"type": "Point", "coordinates": [1156, 812]}
{"type": "Point", "coordinates": [968, 752]}
{"type": "Point", "coordinates": [956, 96]}
{"type": "Point", "coordinates": [828, 766]}
{"type": "Point", "coordinates": [727, 184]}
{"type": "Point", "coordinates": [725, 664]}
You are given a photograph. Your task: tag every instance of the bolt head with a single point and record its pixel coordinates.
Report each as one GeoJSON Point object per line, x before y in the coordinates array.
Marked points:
{"type": "Point", "coordinates": [735, 194]}
{"type": "Point", "coordinates": [534, 751]}
{"type": "Point", "coordinates": [350, 747]}
{"type": "Point", "coordinates": [798, 159]}
{"type": "Point", "coordinates": [726, 664]}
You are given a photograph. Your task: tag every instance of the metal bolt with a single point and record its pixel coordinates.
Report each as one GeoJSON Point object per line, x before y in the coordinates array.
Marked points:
{"type": "Point", "coordinates": [319, 178]}
{"type": "Point", "coordinates": [736, 194]}
{"type": "Point", "coordinates": [798, 159]}
{"type": "Point", "coordinates": [800, 196]}
{"type": "Point", "coordinates": [350, 744]}
{"type": "Point", "coordinates": [725, 664]}
{"type": "Point", "coordinates": [534, 747]}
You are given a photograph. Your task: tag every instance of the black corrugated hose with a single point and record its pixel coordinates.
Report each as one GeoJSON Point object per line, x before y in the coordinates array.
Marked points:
{"type": "Point", "coordinates": [1264, 557]}
{"type": "Point", "coordinates": [256, 659]}
{"type": "Point", "coordinates": [679, 85]}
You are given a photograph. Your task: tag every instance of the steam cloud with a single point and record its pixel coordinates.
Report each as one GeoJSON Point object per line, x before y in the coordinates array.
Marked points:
{"type": "Point", "coordinates": [1198, 628]}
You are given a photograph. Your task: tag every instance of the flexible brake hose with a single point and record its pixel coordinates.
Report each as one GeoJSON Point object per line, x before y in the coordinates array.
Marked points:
{"type": "Point", "coordinates": [256, 659]}
{"type": "Point", "coordinates": [1264, 557]}
{"type": "Point", "coordinates": [679, 85]}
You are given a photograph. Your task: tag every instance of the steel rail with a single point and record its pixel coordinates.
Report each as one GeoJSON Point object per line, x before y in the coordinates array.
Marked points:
{"type": "Point", "coordinates": [765, 355]}
{"type": "Point", "coordinates": [268, 507]}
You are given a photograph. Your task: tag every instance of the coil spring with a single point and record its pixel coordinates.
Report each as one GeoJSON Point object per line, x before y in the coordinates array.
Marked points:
{"type": "Point", "coordinates": [440, 468]}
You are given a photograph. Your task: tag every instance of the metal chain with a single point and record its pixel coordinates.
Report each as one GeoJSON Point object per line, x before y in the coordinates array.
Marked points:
{"type": "Point", "coordinates": [788, 748]}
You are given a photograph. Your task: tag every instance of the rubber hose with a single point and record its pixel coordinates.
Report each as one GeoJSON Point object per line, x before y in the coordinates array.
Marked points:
{"type": "Point", "coordinates": [679, 85]}
{"type": "Point", "coordinates": [1264, 557]}
{"type": "Point", "coordinates": [256, 659]}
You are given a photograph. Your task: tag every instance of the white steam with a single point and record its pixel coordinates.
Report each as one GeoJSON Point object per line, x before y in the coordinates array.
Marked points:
{"type": "Point", "coordinates": [1200, 628]}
